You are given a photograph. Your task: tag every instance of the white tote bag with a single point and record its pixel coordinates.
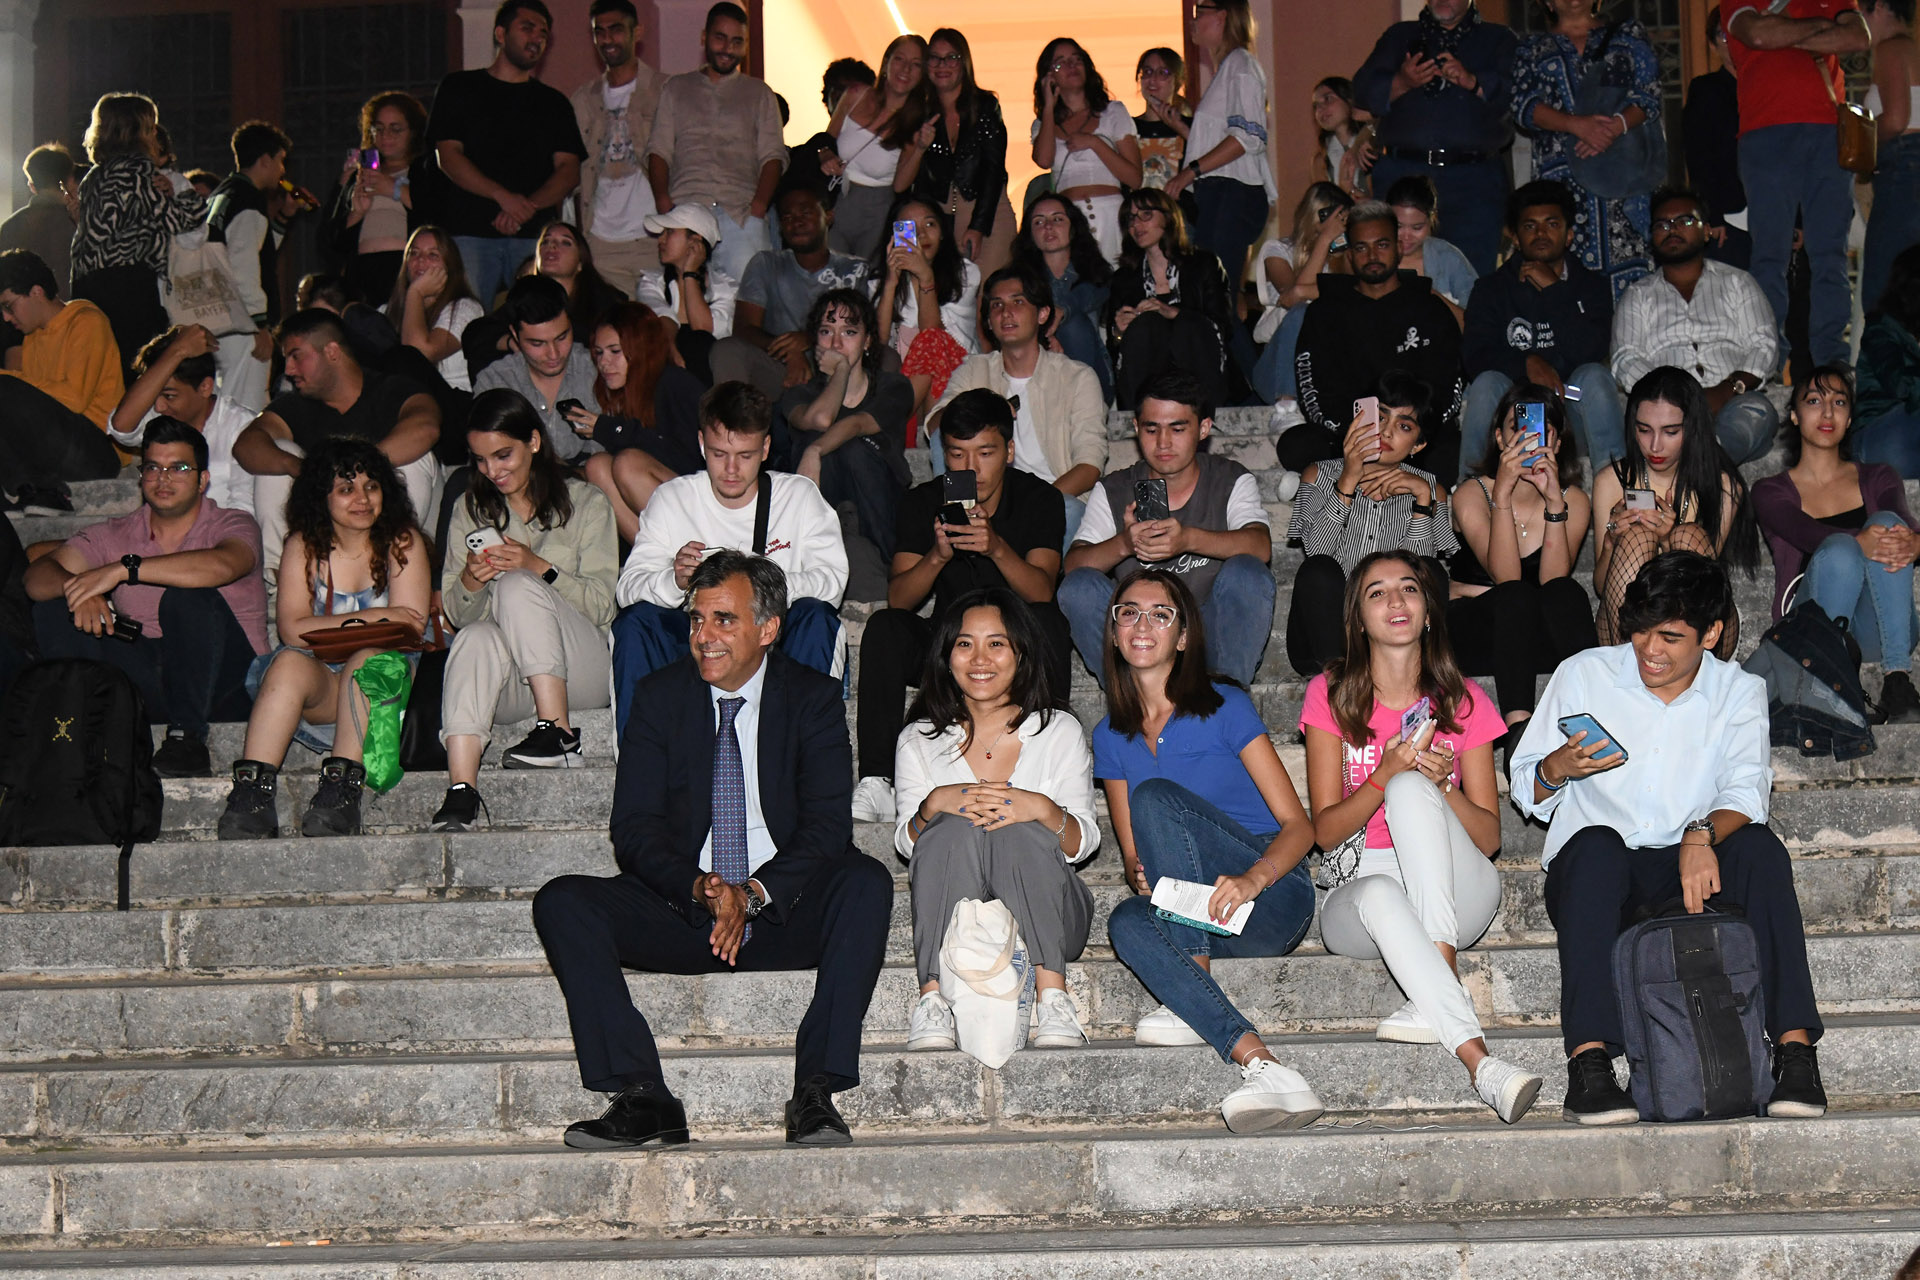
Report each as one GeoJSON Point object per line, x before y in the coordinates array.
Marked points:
{"type": "Point", "coordinates": [986, 977]}
{"type": "Point", "coordinates": [200, 288]}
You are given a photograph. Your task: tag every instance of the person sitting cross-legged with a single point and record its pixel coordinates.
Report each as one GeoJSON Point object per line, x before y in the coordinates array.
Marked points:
{"type": "Point", "coordinates": [731, 827]}
{"type": "Point", "coordinates": [1678, 812]}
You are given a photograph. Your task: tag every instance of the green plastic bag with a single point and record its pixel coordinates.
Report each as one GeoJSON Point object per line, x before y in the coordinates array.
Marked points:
{"type": "Point", "coordinates": [385, 679]}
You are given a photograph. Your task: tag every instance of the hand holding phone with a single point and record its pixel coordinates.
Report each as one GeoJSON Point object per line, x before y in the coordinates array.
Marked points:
{"type": "Point", "coordinates": [1150, 499]}
{"type": "Point", "coordinates": [1594, 743]}
{"type": "Point", "coordinates": [1530, 420]}
{"type": "Point", "coordinates": [483, 537]}
{"type": "Point", "coordinates": [1415, 718]}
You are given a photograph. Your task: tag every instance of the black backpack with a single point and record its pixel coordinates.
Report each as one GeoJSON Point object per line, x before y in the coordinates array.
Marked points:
{"type": "Point", "coordinates": [1815, 703]}
{"type": "Point", "coordinates": [76, 761]}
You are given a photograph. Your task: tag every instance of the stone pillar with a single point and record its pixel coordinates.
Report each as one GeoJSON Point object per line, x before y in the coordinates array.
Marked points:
{"type": "Point", "coordinates": [476, 36]}
{"type": "Point", "coordinates": [16, 96]}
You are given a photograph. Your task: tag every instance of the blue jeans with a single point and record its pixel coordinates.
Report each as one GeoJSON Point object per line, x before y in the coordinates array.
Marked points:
{"type": "Point", "coordinates": [1597, 417]}
{"type": "Point", "coordinates": [1237, 613]}
{"type": "Point", "coordinates": [491, 262]}
{"type": "Point", "coordinates": [1274, 375]}
{"type": "Point", "coordinates": [1232, 214]}
{"type": "Point", "coordinates": [1895, 223]}
{"type": "Point", "coordinates": [1178, 834]}
{"type": "Point", "coordinates": [1892, 438]}
{"type": "Point", "coordinates": [193, 672]}
{"type": "Point", "coordinates": [1791, 170]}
{"type": "Point", "coordinates": [738, 242]}
{"type": "Point", "coordinates": [1473, 202]}
{"type": "Point", "coordinates": [1842, 581]}
{"type": "Point", "coordinates": [1746, 426]}
{"type": "Point", "coordinates": [647, 637]}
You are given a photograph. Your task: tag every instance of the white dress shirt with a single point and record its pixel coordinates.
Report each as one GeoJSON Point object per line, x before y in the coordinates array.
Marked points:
{"type": "Point", "coordinates": [1705, 750]}
{"type": "Point", "coordinates": [746, 726]}
{"type": "Point", "coordinates": [1054, 762]}
{"type": "Point", "coordinates": [1728, 327]}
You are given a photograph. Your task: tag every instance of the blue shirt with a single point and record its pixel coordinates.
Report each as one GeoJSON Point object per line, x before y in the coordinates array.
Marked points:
{"type": "Point", "coordinates": [1202, 755]}
{"type": "Point", "coordinates": [1441, 114]}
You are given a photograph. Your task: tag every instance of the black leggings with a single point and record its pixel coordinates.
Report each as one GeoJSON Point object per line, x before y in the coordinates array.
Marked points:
{"type": "Point", "coordinates": [1518, 631]}
{"type": "Point", "coordinates": [1153, 344]}
{"type": "Point", "coordinates": [1316, 622]}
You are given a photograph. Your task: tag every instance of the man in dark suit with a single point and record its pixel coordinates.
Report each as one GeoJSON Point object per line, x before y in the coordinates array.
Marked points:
{"type": "Point", "coordinates": [733, 828]}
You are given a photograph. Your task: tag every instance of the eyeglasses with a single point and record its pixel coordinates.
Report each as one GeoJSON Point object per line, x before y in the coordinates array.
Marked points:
{"type": "Point", "coordinates": [1199, 9]}
{"type": "Point", "coordinates": [150, 469]}
{"type": "Point", "coordinates": [1142, 214]}
{"type": "Point", "coordinates": [1156, 73]}
{"type": "Point", "coordinates": [1063, 63]}
{"type": "Point", "coordinates": [1159, 616]}
{"type": "Point", "coordinates": [944, 58]}
{"type": "Point", "coordinates": [1684, 220]}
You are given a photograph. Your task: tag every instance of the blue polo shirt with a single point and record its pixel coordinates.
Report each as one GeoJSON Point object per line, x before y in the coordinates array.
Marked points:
{"type": "Point", "coordinates": [1202, 755]}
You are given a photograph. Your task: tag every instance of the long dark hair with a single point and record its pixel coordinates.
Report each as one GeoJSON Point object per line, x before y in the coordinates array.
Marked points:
{"type": "Point", "coordinates": [940, 702]}
{"type": "Point", "coordinates": [971, 97]}
{"type": "Point", "coordinates": [1827, 377]}
{"type": "Point", "coordinates": [949, 268]}
{"type": "Point", "coordinates": [457, 286]}
{"type": "Point", "coordinates": [1083, 251]}
{"type": "Point", "coordinates": [1175, 243]}
{"type": "Point", "coordinates": [343, 458]}
{"type": "Point", "coordinates": [1564, 462]}
{"type": "Point", "coordinates": [919, 104]}
{"type": "Point", "coordinates": [1189, 687]}
{"type": "Point", "coordinates": [591, 294]}
{"type": "Point", "coordinates": [1702, 467]}
{"type": "Point", "coordinates": [1097, 95]}
{"type": "Point", "coordinates": [1350, 676]}
{"type": "Point", "coordinates": [647, 346]}
{"type": "Point", "coordinates": [506, 412]}
{"type": "Point", "coordinates": [859, 306]}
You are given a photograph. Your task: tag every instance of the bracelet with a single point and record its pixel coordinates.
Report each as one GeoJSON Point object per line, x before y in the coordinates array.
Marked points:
{"type": "Point", "coordinates": [1375, 783]}
{"type": "Point", "coordinates": [1624, 126]}
{"type": "Point", "coordinates": [1419, 510]}
{"type": "Point", "coordinates": [1551, 518]}
{"type": "Point", "coordinates": [1540, 777]}
{"type": "Point", "coordinates": [1061, 834]}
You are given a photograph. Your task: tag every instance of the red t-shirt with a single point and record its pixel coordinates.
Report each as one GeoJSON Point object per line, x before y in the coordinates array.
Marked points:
{"type": "Point", "coordinates": [1784, 86]}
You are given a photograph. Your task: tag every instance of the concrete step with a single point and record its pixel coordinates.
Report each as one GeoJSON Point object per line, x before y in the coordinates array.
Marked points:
{"type": "Point", "coordinates": [1086, 1179]}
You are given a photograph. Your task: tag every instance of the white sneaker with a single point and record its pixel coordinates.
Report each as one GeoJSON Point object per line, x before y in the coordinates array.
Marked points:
{"type": "Point", "coordinates": [1055, 1026]}
{"type": "Point", "coordinates": [873, 800]}
{"type": "Point", "coordinates": [931, 1026]}
{"type": "Point", "coordinates": [1272, 1096]}
{"type": "Point", "coordinates": [1408, 1026]}
{"type": "Point", "coordinates": [1164, 1027]}
{"type": "Point", "coordinates": [1505, 1088]}
{"type": "Point", "coordinates": [1289, 485]}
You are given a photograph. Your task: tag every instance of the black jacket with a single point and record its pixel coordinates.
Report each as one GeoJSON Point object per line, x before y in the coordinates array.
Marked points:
{"type": "Point", "coordinates": [1567, 324]}
{"type": "Point", "coordinates": [1348, 340]}
{"type": "Point", "coordinates": [1203, 286]}
{"type": "Point", "coordinates": [663, 792]}
{"type": "Point", "coordinates": [976, 162]}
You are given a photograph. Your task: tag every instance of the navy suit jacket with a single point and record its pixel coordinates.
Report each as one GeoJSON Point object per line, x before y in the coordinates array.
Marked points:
{"type": "Point", "coordinates": [663, 792]}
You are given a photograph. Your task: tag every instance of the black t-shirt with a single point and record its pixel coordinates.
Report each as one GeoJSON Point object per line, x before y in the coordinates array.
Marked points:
{"type": "Point", "coordinates": [372, 417]}
{"type": "Point", "coordinates": [889, 400]}
{"type": "Point", "coordinates": [1030, 515]}
{"type": "Point", "coordinates": [510, 132]}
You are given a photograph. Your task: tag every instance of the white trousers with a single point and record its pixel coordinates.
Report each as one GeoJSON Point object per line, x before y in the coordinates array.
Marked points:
{"type": "Point", "coordinates": [243, 380]}
{"type": "Point", "coordinates": [421, 477]}
{"type": "Point", "coordinates": [530, 630]}
{"type": "Point", "coordinates": [1103, 218]}
{"type": "Point", "coordinates": [1433, 886]}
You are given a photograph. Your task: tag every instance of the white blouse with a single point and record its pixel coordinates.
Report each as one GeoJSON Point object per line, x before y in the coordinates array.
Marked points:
{"type": "Point", "coordinates": [959, 317]}
{"type": "Point", "coordinates": [1086, 168]}
{"type": "Point", "coordinates": [1054, 762]}
{"type": "Point", "coordinates": [1235, 106]}
{"type": "Point", "coordinates": [454, 319]}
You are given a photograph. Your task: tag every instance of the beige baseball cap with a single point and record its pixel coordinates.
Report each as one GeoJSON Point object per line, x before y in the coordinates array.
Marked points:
{"type": "Point", "coordinates": [696, 218]}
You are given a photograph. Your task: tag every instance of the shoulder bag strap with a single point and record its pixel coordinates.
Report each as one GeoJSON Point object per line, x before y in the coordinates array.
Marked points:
{"type": "Point", "coordinates": [762, 509]}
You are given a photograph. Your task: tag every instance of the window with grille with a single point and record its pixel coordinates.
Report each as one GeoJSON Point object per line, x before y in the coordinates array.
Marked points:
{"type": "Point", "coordinates": [183, 61]}
{"type": "Point", "coordinates": [337, 58]}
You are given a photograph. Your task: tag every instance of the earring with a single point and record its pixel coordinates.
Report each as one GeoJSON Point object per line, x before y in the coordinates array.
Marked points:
{"type": "Point", "coordinates": [1428, 625]}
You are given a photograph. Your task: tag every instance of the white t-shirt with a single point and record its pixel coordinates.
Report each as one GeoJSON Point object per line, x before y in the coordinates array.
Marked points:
{"type": "Point", "coordinates": [803, 538]}
{"type": "Point", "coordinates": [1086, 168]}
{"type": "Point", "coordinates": [454, 319]}
{"type": "Point", "coordinates": [1243, 508]}
{"type": "Point", "coordinates": [623, 198]}
{"type": "Point", "coordinates": [1028, 453]}
{"type": "Point", "coordinates": [654, 289]}
{"type": "Point", "coordinates": [227, 484]}
{"type": "Point", "coordinates": [958, 317]}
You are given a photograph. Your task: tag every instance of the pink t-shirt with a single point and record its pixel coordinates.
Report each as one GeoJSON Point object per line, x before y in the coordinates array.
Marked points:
{"type": "Point", "coordinates": [1480, 723]}
{"type": "Point", "coordinates": [132, 534]}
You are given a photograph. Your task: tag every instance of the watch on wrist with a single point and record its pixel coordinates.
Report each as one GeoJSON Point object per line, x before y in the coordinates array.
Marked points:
{"type": "Point", "coordinates": [755, 903]}
{"type": "Point", "coordinates": [551, 576]}
{"type": "Point", "coordinates": [131, 563]}
{"type": "Point", "coordinates": [1700, 824]}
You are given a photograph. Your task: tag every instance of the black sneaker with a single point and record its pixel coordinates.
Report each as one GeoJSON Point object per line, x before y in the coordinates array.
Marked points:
{"type": "Point", "coordinates": [547, 747]}
{"type": "Point", "coordinates": [252, 811]}
{"type": "Point", "coordinates": [1797, 1094]}
{"type": "Point", "coordinates": [335, 810]}
{"type": "Point", "coordinates": [460, 809]}
{"type": "Point", "coordinates": [1898, 703]}
{"type": "Point", "coordinates": [1593, 1095]}
{"type": "Point", "coordinates": [182, 756]}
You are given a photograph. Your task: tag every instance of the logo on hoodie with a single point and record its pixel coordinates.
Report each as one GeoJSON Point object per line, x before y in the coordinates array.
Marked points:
{"type": "Point", "coordinates": [1529, 335]}
{"type": "Point", "coordinates": [1412, 342]}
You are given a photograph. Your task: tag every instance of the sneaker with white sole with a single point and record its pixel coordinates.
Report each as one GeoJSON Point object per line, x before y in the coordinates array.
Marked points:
{"type": "Point", "coordinates": [1289, 485]}
{"type": "Point", "coordinates": [547, 747]}
{"type": "Point", "coordinates": [1164, 1027]}
{"type": "Point", "coordinates": [1055, 1025]}
{"type": "Point", "coordinates": [931, 1026]}
{"type": "Point", "coordinates": [1408, 1026]}
{"type": "Point", "coordinates": [1270, 1097]}
{"type": "Point", "coordinates": [873, 800]}
{"type": "Point", "coordinates": [1506, 1088]}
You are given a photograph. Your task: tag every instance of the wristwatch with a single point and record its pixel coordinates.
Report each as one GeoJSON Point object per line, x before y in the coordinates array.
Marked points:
{"type": "Point", "coordinates": [755, 903]}
{"type": "Point", "coordinates": [1701, 824]}
{"type": "Point", "coordinates": [131, 563]}
{"type": "Point", "coordinates": [551, 576]}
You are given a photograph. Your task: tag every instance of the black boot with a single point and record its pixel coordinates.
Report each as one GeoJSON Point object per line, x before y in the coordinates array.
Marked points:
{"type": "Point", "coordinates": [252, 806]}
{"type": "Point", "coordinates": [335, 810]}
{"type": "Point", "coordinates": [1898, 703]}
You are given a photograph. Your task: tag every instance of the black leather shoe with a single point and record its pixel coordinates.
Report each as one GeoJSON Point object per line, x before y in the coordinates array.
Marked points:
{"type": "Point", "coordinates": [812, 1119]}
{"type": "Point", "coordinates": [1797, 1092]}
{"type": "Point", "coordinates": [639, 1114]}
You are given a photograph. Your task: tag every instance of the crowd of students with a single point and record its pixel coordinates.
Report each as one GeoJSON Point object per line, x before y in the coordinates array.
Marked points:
{"type": "Point", "coordinates": [721, 358]}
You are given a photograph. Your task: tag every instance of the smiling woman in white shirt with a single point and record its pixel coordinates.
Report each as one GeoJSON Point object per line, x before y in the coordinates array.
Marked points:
{"type": "Point", "coordinates": [995, 793]}
{"type": "Point", "coordinates": [1086, 138]}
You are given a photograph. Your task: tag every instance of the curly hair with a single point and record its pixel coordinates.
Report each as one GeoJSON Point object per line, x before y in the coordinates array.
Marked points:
{"type": "Point", "coordinates": [343, 458]}
{"type": "Point", "coordinates": [408, 106]}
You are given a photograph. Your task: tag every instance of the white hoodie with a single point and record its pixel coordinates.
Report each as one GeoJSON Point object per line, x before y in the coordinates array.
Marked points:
{"type": "Point", "coordinates": [803, 538]}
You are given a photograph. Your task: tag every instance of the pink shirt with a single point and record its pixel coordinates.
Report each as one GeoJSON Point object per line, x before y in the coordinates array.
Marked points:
{"type": "Point", "coordinates": [132, 534]}
{"type": "Point", "coordinates": [1480, 723]}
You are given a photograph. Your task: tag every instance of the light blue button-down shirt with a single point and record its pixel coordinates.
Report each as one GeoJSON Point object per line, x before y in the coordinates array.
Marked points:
{"type": "Point", "coordinates": [1705, 750]}
{"type": "Point", "coordinates": [746, 727]}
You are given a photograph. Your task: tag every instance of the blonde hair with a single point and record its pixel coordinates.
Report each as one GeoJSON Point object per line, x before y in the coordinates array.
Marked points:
{"type": "Point", "coordinates": [123, 124]}
{"type": "Point", "coordinates": [1239, 19]}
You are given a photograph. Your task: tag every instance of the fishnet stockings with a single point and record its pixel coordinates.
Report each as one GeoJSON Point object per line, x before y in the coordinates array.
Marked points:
{"type": "Point", "coordinates": [1632, 549]}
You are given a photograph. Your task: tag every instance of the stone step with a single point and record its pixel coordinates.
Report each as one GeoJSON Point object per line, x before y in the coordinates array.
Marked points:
{"type": "Point", "coordinates": [486, 1100]}
{"type": "Point", "coordinates": [1110, 1179]}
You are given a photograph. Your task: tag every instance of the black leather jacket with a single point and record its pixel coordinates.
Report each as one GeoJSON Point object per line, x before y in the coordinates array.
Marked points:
{"type": "Point", "coordinates": [976, 164]}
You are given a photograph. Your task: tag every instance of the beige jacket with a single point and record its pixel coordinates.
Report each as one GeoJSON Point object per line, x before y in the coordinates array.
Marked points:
{"type": "Point", "coordinates": [1068, 413]}
{"type": "Point", "coordinates": [590, 110]}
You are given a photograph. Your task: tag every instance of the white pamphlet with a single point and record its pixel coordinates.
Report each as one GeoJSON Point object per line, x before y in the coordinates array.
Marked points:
{"type": "Point", "coordinates": [1187, 902]}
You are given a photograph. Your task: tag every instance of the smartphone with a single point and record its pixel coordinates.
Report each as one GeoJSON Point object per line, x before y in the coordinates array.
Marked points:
{"type": "Point", "coordinates": [369, 158]}
{"type": "Point", "coordinates": [1415, 718]}
{"type": "Point", "coordinates": [1584, 723]}
{"type": "Point", "coordinates": [1570, 393]}
{"type": "Point", "coordinates": [1639, 500]}
{"type": "Point", "coordinates": [1150, 500]}
{"type": "Point", "coordinates": [567, 406]}
{"type": "Point", "coordinates": [960, 490]}
{"type": "Point", "coordinates": [906, 235]}
{"type": "Point", "coordinates": [483, 537]}
{"type": "Point", "coordinates": [1367, 410]}
{"type": "Point", "coordinates": [125, 629]}
{"type": "Point", "coordinates": [1530, 420]}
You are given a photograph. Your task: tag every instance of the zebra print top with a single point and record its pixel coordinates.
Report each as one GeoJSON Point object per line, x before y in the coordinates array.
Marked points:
{"type": "Point", "coordinates": [124, 220]}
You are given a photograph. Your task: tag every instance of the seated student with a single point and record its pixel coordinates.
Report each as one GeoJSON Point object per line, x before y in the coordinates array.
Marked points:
{"type": "Point", "coordinates": [532, 609]}
{"type": "Point", "coordinates": [175, 378]}
{"type": "Point", "coordinates": [1846, 527]}
{"type": "Point", "coordinates": [1170, 306]}
{"type": "Point", "coordinates": [1215, 538]}
{"type": "Point", "coordinates": [547, 366]}
{"type": "Point", "coordinates": [1060, 421]}
{"type": "Point", "coordinates": [996, 802]}
{"type": "Point", "coordinates": [927, 299]}
{"type": "Point", "coordinates": [352, 542]}
{"type": "Point", "coordinates": [1056, 241]}
{"type": "Point", "coordinates": [845, 428]}
{"type": "Point", "coordinates": [1416, 206]}
{"type": "Point", "coordinates": [1699, 497]}
{"type": "Point", "coordinates": [1517, 611]}
{"type": "Point", "coordinates": [1288, 278]}
{"type": "Point", "coordinates": [692, 295]}
{"type": "Point", "coordinates": [768, 346]}
{"type": "Point", "coordinates": [1418, 818]}
{"type": "Point", "coordinates": [1371, 499]}
{"type": "Point", "coordinates": [183, 567]}
{"type": "Point", "coordinates": [432, 304]}
{"type": "Point", "coordinates": [54, 405]}
{"type": "Point", "coordinates": [332, 397]}
{"type": "Point", "coordinates": [1011, 539]}
{"type": "Point", "coordinates": [1541, 317]}
{"type": "Point", "coordinates": [736, 853]}
{"type": "Point", "coordinates": [1198, 793]}
{"type": "Point", "coordinates": [1681, 812]}
{"type": "Point", "coordinates": [734, 503]}
{"type": "Point", "coordinates": [648, 422]}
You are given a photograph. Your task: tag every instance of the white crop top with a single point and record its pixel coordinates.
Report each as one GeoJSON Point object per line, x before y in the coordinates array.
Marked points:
{"type": "Point", "coordinates": [1086, 168]}
{"type": "Point", "coordinates": [1873, 104]}
{"type": "Point", "coordinates": [869, 164]}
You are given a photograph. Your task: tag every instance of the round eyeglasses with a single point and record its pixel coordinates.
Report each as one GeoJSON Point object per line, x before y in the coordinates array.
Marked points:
{"type": "Point", "coordinates": [1159, 616]}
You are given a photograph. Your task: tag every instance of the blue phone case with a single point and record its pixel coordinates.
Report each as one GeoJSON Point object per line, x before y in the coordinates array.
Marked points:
{"type": "Point", "coordinates": [1595, 731]}
{"type": "Point", "coordinates": [1207, 925]}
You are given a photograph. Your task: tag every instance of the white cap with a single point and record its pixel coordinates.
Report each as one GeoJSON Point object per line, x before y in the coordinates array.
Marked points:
{"type": "Point", "coordinates": [696, 218]}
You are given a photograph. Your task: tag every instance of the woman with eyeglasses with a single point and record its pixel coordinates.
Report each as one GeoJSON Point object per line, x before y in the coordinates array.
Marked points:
{"type": "Point", "coordinates": [963, 167]}
{"type": "Point", "coordinates": [1056, 241]}
{"type": "Point", "coordinates": [1197, 793]}
{"type": "Point", "coordinates": [371, 213]}
{"type": "Point", "coordinates": [1086, 138]}
{"type": "Point", "coordinates": [1163, 127]}
{"type": "Point", "coordinates": [873, 130]}
{"type": "Point", "coordinates": [1226, 156]}
{"type": "Point", "coordinates": [1170, 307]}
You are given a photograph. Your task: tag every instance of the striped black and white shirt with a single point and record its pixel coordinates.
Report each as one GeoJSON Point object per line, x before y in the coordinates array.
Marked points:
{"type": "Point", "coordinates": [124, 221]}
{"type": "Point", "coordinates": [1326, 525]}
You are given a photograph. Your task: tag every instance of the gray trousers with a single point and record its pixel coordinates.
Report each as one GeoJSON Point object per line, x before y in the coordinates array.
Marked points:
{"type": "Point", "coordinates": [1021, 865]}
{"type": "Point", "coordinates": [531, 630]}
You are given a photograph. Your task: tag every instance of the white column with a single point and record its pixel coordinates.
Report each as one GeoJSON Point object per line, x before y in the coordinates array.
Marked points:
{"type": "Point", "coordinates": [476, 35]}
{"type": "Point", "coordinates": [16, 96]}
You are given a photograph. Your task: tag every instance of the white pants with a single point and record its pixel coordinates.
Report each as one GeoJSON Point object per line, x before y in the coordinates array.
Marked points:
{"type": "Point", "coordinates": [243, 380]}
{"type": "Point", "coordinates": [1433, 886]}
{"type": "Point", "coordinates": [1103, 216]}
{"type": "Point", "coordinates": [531, 630]}
{"type": "Point", "coordinates": [421, 476]}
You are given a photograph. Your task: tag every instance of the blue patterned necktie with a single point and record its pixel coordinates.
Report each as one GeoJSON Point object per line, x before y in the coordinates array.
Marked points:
{"type": "Point", "coordinates": [730, 801]}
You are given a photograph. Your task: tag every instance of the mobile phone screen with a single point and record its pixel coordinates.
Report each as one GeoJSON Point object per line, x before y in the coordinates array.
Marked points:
{"type": "Point", "coordinates": [1150, 500]}
{"type": "Point", "coordinates": [906, 235]}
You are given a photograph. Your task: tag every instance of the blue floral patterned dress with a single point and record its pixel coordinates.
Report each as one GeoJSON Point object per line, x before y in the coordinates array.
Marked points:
{"type": "Point", "coordinates": [1610, 236]}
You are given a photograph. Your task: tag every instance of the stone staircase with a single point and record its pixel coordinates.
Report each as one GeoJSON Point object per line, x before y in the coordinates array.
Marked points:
{"type": "Point", "coordinates": [346, 1058]}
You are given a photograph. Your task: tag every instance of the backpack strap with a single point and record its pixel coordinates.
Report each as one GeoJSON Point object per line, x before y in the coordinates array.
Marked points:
{"type": "Point", "coordinates": [124, 875]}
{"type": "Point", "coordinates": [762, 510]}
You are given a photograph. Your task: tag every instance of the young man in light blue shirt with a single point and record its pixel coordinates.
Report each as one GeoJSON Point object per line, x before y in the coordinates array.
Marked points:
{"type": "Point", "coordinates": [1679, 813]}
